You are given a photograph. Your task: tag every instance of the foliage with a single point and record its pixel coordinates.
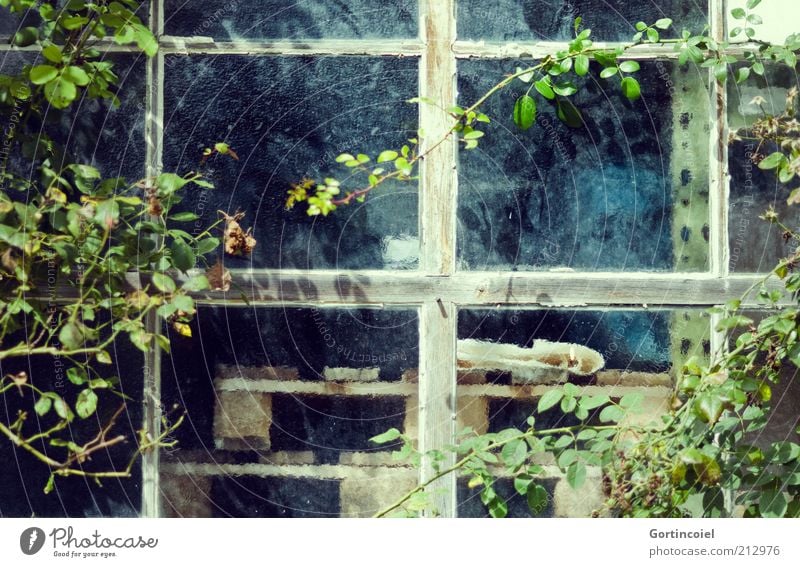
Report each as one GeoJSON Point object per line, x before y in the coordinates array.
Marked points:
{"type": "Point", "coordinates": [703, 457]}
{"type": "Point", "coordinates": [85, 261]}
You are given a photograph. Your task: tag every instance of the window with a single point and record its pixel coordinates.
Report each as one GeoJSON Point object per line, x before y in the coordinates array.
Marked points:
{"type": "Point", "coordinates": [614, 235]}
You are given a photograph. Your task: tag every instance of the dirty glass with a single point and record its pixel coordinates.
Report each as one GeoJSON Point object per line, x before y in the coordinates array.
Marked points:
{"type": "Point", "coordinates": [639, 350]}
{"type": "Point", "coordinates": [288, 118]}
{"type": "Point", "coordinates": [23, 477]}
{"type": "Point", "coordinates": [755, 245]}
{"type": "Point", "coordinates": [281, 404]}
{"type": "Point", "coordinates": [626, 190]}
{"type": "Point", "coordinates": [291, 19]}
{"type": "Point", "coordinates": [94, 131]}
{"type": "Point", "coordinates": [553, 20]}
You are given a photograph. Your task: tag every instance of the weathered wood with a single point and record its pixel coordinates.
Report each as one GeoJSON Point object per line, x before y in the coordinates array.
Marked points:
{"type": "Point", "coordinates": [151, 400]}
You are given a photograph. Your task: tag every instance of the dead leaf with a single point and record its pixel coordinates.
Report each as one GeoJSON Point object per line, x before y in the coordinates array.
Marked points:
{"type": "Point", "coordinates": [237, 242]}
{"type": "Point", "coordinates": [218, 277]}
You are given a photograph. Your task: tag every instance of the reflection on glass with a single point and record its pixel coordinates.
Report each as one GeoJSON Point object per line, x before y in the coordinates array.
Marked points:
{"type": "Point", "coordinates": [627, 191]}
{"type": "Point", "coordinates": [553, 20]}
{"type": "Point", "coordinates": [301, 19]}
{"type": "Point", "coordinates": [755, 245]}
{"type": "Point", "coordinates": [640, 351]}
{"type": "Point", "coordinates": [281, 404]}
{"type": "Point", "coordinates": [288, 118]}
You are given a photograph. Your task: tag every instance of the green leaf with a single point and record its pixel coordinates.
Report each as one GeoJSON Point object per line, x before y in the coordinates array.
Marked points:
{"type": "Point", "coordinates": [641, 26]}
{"type": "Point", "coordinates": [522, 483]}
{"type": "Point", "coordinates": [537, 498]}
{"type": "Point", "coordinates": [548, 400]}
{"type": "Point", "coordinates": [387, 436]}
{"type": "Point", "coordinates": [652, 35]}
{"type": "Point", "coordinates": [43, 405]}
{"type": "Point", "coordinates": [207, 245]}
{"type": "Point", "coordinates": [525, 112]}
{"type": "Point", "coordinates": [544, 89]}
{"type": "Point", "coordinates": [565, 89]}
{"type": "Point", "coordinates": [76, 75]}
{"type": "Point", "coordinates": [70, 336]}
{"type": "Point", "coordinates": [663, 23]}
{"type": "Point", "coordinates": [772, 504]}
{"type": "Point", "coordinates": [164, 283]}
{"type": "Point", "coordinates": [86, 403]}
{"type": "Point", "coordinates": [103, 357]}
{"type": "Point", "coordinates": [388, 155]}
{"type": "Point", "coordinates": [708, 407]}
{"type": "Point", "coordinates": [569, 114]}
{"type": "Point", "coordinates": [514, 452]}
{"type": "Point", "coordinates": [581, 65]}
{"type": "Point", "coordinates": [182, 255]}
{"type": "Point", "coordinates": [752, 4]}
{"type": "Point", "coordinates": [343, 158]}
{"type": "Point", "coordinates": [60, 93]}
{"type": "Point", "coordinates": [62, 409]}
{"type": "Point", "coordinates": [630, 88]}
{"type": "Point", "coordinates": [772, 161]}
{"type": "Point", "coordinates": [576, 474]}
{"type": "Point", "coordinates": [184, 217]}
{"type": "Point", "coordinates": [629, 66]}
{"type": "Point", "coordinates": [498, 508]}
{"type": "Point", "coordinates": [197, 283]}
{"type": "Point", "coordinates": [693, 457]}
{"type": "Point", "coordinates": [611, 413]}
{"type": "Point", "coordinates": [608, 72]}
{"type": "Point", "coordinates": [42, 74]}
{"type": "Point", "coordinates": [77, 375]}
{"type": "Point", "coordinates": [168, 183]}
{"type": "Point", "coordinates": [593, 402]}
{"type": "Point", "coordinates": [755, 19]}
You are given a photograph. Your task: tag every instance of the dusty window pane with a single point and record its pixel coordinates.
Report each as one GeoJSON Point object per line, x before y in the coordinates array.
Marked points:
{"type": "Point", "coordinates": [93, 131]}
{"type": "Point", "coordinates": [613, 349]}
{"type": "Point", "coordinates": [552, 20]}
{"type": "Point", "coordinates": [628, 191]}
{"type": "Point", "coordinates": [23, 478]}
{"type": "Point", "coordinates": [292, 19]}
{"type": "Point", "coordinates": [288, 118]}
{"type": "Point", "coordinates": [755, 245]}
{"type": "Point", "coordinates": [281, 404]}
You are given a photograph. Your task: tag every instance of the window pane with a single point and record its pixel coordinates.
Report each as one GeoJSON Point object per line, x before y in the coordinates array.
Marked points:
{"type": "Point", "coordinates": [288, 118]}
{"type": "Point", "coordinates": [553, 20]}
{"type": "Point", "coordinates": [292, 19]}
{"type": "Point", "coordinates": [23, 477]}
{"type": "Point", "coordinates": [281, 404]}
{"type": "Point", "coordinates": [755, 245]}
{"type": "Point", "coordinates": [640, 352]}
{"type": "Point", "coordinates": [94, 131]}
{"type": "Point", "coordinates": [628, 191]}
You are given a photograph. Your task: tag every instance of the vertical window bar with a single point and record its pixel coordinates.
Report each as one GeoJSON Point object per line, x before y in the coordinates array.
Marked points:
{"type": "Point", "coordinates": [154, 120]}
{"type": "Point", "coordinates": [437, 228]}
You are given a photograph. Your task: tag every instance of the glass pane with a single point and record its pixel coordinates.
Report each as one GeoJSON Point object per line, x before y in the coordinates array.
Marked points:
{"type": "Point", "coordinates": [281, 404]}
{"type": "Point", "coordinates": [618, 351]}
{"type": "Point", "coordinates": [94, 131]}
{"type": "Point", "coordinates": [23, 477]}
{"type": "Point", "coordinates": [292, 19]}
{"type": "Point", "coordinates": [755, 245]}
{"type": "Point", "coordinates": [288, 118]}
{"type": "Point", "coordinates": [552, 20]}
{"type": "Point", "coordinates": [628, 191]}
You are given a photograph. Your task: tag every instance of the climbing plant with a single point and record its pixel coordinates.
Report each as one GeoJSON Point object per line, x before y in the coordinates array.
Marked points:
{"type": "Point", "coordinates": [85, 260]}
{"type": "Point", "coordinates": [699, 458]}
